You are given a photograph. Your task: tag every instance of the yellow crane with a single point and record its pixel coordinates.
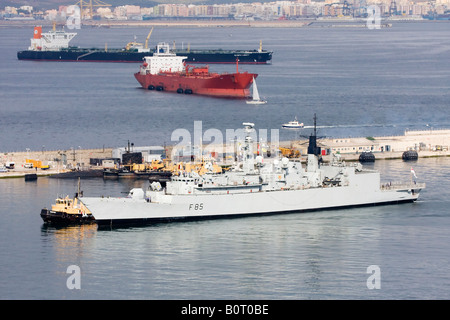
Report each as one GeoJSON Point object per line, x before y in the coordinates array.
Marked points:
{"type": "Point", "coordinates": [148, 37]}
{"type": "Point", "coordinates": [135, 44]}
{"type": "Point", "coordinates": [90, 5]}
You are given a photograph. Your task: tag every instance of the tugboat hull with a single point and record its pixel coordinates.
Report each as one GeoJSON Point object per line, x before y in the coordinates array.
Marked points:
{"type": "Point", "coordinates": [56, 217]}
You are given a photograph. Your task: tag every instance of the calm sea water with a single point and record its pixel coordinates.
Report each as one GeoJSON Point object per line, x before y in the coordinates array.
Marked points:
{"type": "Point", "coordinates": [365, 82]}
{"type": "Point", "coordinates": [368, 82]}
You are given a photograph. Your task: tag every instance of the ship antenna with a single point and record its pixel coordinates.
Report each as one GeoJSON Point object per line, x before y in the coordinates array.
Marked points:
{"type": "Point", "coordinates": [78, 194]}
{"type": "Point", "coordinates": [315, 125]}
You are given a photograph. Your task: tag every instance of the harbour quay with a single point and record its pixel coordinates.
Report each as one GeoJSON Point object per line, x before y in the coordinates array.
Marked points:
{"type": "Point", "coordinates": [50, 162]}
{"type": "Point", "coordinates": [427, 143]}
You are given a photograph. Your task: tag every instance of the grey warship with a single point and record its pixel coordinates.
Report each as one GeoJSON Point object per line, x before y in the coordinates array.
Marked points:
{"type": "Point", "coordinates": [254, 187]}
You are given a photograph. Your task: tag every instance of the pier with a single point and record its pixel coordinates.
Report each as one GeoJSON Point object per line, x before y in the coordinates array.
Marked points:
{"type": "Point", "coordinates": [427, 143]}
{"type": "Point", "coordinates": [58, 161]}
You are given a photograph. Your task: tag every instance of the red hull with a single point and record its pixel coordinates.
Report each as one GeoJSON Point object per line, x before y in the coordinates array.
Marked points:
{"type": "Point", "coordinates": [234, 85]}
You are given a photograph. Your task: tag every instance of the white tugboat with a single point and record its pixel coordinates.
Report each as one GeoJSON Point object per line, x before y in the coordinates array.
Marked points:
{"type": "Point", "coordinates": [294, 124]}
{"type": "Point", "coordinates": [254, 187]}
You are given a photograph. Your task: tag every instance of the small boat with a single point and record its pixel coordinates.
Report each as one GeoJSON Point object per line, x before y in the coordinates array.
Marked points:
{"type": "Point", "coordinates": [122, 172]}
{"type": "Point", "coordinates": [255, 95]}
{"type": "Point", "coordinates": [293, 124]}
{"type": "Point", "coordinates": [68, 210]}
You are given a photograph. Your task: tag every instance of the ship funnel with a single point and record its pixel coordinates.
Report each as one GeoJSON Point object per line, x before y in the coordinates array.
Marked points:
{"type": "Point", "coordinates": [312, 146]}
{"type": "Point", "coordinates": [37, 32]}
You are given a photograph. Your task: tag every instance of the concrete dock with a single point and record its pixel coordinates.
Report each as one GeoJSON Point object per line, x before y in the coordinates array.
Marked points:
{"type": "Point", "coordinates": [59, 161]}
{"type": "Point", "coordinates": [427, 143]}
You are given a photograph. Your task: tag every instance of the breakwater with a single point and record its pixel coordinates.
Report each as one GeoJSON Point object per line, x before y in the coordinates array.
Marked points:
{"type": "Point", "coordinates": [58, 161]}
{"type": "Point", "coordinates": [427, 143]}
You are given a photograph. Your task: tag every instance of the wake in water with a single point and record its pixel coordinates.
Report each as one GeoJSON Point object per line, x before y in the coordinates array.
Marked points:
{"type": "Point", "coordinates": [347, 126]}
{"type": "Point", "coordinates": [425, 127]}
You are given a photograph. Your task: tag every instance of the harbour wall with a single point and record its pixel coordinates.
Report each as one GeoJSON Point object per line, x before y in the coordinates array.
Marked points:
{"type": "Point", "coordinates": [57, 160]}
{"type": "Point", "coordinates": [171, 23]}
{"type": "Point", "coordinates": [427, 143]}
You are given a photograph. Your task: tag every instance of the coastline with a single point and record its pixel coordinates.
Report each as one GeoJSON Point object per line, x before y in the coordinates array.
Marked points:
{"type": "Point", "coordinates": [190, 23]}
{"type": "Point", "coordinates": [164, 23]}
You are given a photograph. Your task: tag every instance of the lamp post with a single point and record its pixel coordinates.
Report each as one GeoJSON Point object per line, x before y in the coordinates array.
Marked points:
{"type": "Point", "coordinates": [79, 156]}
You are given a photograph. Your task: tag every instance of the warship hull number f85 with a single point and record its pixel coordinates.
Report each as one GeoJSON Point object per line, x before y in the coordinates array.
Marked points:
{"type": "Point", "coordinates": [196, 206]}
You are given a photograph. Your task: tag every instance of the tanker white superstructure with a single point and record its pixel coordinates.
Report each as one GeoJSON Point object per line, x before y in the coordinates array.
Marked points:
{"type": "Point", "coordinates": [53, 40]}
{"type": "Point", "coordinates": [254, 186]}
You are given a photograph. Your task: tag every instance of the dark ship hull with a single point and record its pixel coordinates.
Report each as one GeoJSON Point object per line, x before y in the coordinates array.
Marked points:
{"type": "Point", "coordinates": [121, 55]}
{"type": "Point", "coordinates": [58, 217]}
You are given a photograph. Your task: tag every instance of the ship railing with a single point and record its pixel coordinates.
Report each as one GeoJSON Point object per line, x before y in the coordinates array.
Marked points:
{"type": "Point", "coordinates": [364, 170]}
{"type": "Point", "coordinates": [401, 185]}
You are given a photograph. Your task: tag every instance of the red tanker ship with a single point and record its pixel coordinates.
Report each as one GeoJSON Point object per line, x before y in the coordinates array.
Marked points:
{"type": "Point", "coordinates": [165, 71]}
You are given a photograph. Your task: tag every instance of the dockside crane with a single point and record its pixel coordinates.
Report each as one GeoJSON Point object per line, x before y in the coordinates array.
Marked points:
{"type": "Point", "coordinates": [148, 37]}
{"type": "Point", "coordinates": [90, 5]}
{"type": "Point", "coordinates": [357, 9]}
{"type": "Point", "coordinates": [344, 6]}
{"type": "Point", "coordinates": [346, 9]}
{"type": "Point", "coordinates": [134, 44]}
{"type": "Point", "coordinates": [361, 11]}
{"type": "Point", "coordinates": [393, 8]}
